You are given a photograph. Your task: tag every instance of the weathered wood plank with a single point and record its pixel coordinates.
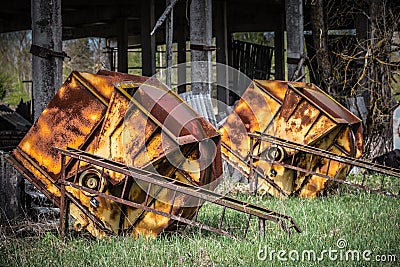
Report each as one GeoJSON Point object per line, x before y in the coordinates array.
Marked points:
{"type": "Point", "coordinates": [11, 191]}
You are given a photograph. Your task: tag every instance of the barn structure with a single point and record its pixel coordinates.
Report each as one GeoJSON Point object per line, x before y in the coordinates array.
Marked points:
{"type": "Point", "coordinates": [131, 22]}
{"type": "Point", "coordinates": [190, 24]}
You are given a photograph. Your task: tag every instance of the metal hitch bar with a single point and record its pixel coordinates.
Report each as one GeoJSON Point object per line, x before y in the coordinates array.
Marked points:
{"type": "Point", "coordinates": [176, 187]}
{"type": "Point", "coordinates": [257, 138]}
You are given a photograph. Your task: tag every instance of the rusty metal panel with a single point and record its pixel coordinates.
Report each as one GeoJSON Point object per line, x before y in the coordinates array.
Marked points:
{"type": "Point", "coordinates": [152, 129]}
{"type": "Point", "coordinates": [253, 112]}
{"type": "Point", "coordinates": [297, 112]}
{"type": "Point", "coordinates": [69, 120]}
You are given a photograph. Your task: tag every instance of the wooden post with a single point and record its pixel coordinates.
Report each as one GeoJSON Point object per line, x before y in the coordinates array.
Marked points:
{"type": "Point", "coordinates": [123, 45]}
{"type": "Point", "coordinates": [361, 24]}
{"type": "Point", "coordinates": [222, 55]}
{"type": "Point", "coordinates": [148, 41]}
{"type": "Point", "coordinates": [181, 38]}
{"type": "Point", "coordinates": [11, 190]}
{"type": "Point", "coordinates": [169, 32]}
{"type": "Point", "coordinates": [295, 36]}
{"type": "Point", "coordinates": [362, 27]}
{"type": "Point", "coordinates": [200, 45]}
{"type": "Point", "coordinates": [279, 48]}
{"type": "Point", "coordinates": [46, 66]}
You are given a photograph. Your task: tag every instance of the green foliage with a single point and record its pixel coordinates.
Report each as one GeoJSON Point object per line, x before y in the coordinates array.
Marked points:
{"type": "Point", "coordinates": [262, 38]}
{"type": "Point", "coordinates": [85, 55]}
{"type": "Point", "coordinates": [4, 85]}
{"type": "Point", "coordinates": [16, 66]}
{"type": "Point", "coordinates": [135, 60]}
{"type": "Point", "coordinates": [15, 92]}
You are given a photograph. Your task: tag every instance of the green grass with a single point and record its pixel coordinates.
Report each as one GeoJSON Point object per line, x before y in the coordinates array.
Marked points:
{"type": "Point", "coordinates": [365, 221]}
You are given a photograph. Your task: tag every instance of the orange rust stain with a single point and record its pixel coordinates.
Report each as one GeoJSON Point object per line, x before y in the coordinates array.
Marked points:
{"type": "Point", "coordinates": [276, 88]}
{"type": "Point", "coordinates": [302, 119]}
{"type": "Point", "coordinates": [344, 142]}
{"type": "Point", "coordinates": [322, 126]}
{"type": "Point", "coordinates": [82, 222]}
{"type": "Point", "coordinates": [151, 223]}
{"type": "Point", "coordinates": [59, 126]}
{"type": "Point", "coordinates": [102, 83]}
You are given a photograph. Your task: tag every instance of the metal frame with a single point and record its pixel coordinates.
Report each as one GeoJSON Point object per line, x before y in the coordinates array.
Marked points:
{"type": "Point", "coordinates": [203, 195]}
{"type": "Point", "coordinates": [257, 137]}
{"type": "Point", "coordinates": [233, 153]}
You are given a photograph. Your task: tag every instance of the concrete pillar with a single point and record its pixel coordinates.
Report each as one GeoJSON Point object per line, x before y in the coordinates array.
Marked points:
{"type": "Point", "coordinates": [221, 33]}
{"type": "Point", "coordinates": [200, 45]}
{"type": "Point", "coordinates": [46, 36]}
{"type": "Point", "coordinates": [148, 41]}
{"type": "Point", "coordinates": [295, 35]}
{"type": "Point", "coordinates": [123, 45]}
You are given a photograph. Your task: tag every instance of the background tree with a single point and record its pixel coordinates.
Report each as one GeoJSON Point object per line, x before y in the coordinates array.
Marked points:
{"type": "Point", "coordinates": [86, 55]}
{"type": "Point", "coordinates": [358, 64]}
{"type": "Point", "coordinates": [16, 64]}
{"type": "Point", "coordinates": [4, 85]}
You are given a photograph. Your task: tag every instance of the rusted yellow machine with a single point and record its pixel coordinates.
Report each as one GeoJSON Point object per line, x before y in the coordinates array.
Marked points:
{"type": "Point", "coordinates": [295, 112]}
{"type": "Point", "coordinates": [118, 117]}
{"type": "Point", "coordinates": [123, 154]}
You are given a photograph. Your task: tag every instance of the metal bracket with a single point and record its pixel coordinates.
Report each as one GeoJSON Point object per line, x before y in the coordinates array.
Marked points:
{"type": "Point", "coordinates": [292, 60]}
{"type": "Point", "coordinates": [202, 47]}
{"type": "Point", "coordinates": [46, 53]}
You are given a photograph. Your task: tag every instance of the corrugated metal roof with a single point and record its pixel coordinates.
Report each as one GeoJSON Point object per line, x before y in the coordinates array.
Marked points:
{"type": "Point", "coordinates": [202, 104]}
{"type": "Point", "coordinates": [16, 120]}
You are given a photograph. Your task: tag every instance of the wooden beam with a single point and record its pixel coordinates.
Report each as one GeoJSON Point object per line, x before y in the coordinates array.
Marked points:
{"type": "Point", "coordinates": [269, 25]}
{"type": "Point", "coordinates": [181, 38]}
{"type": "Point", "coordinates": [279, 48]}
{"type": "Point", "coordinates": [102, 31]}
{"type": "Point", "coordinates": [89, 15]}
{"type": "Point", "coordinates": [169, 34]}
{"type": "Point", "coordinates": [361, 27]}
{"type": "Point", "coordinates": [11, 191]}
{"type": "Point", "coordinates": [221, 32]}
{"type": "Point", "coordinates": [122, 45]}
{"type": "Point", "coordinates": [246, 17]}
{"type": "Point", "coordinates": [147, 40]}
{"type": "Point", "coordinates": [9, 24]}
